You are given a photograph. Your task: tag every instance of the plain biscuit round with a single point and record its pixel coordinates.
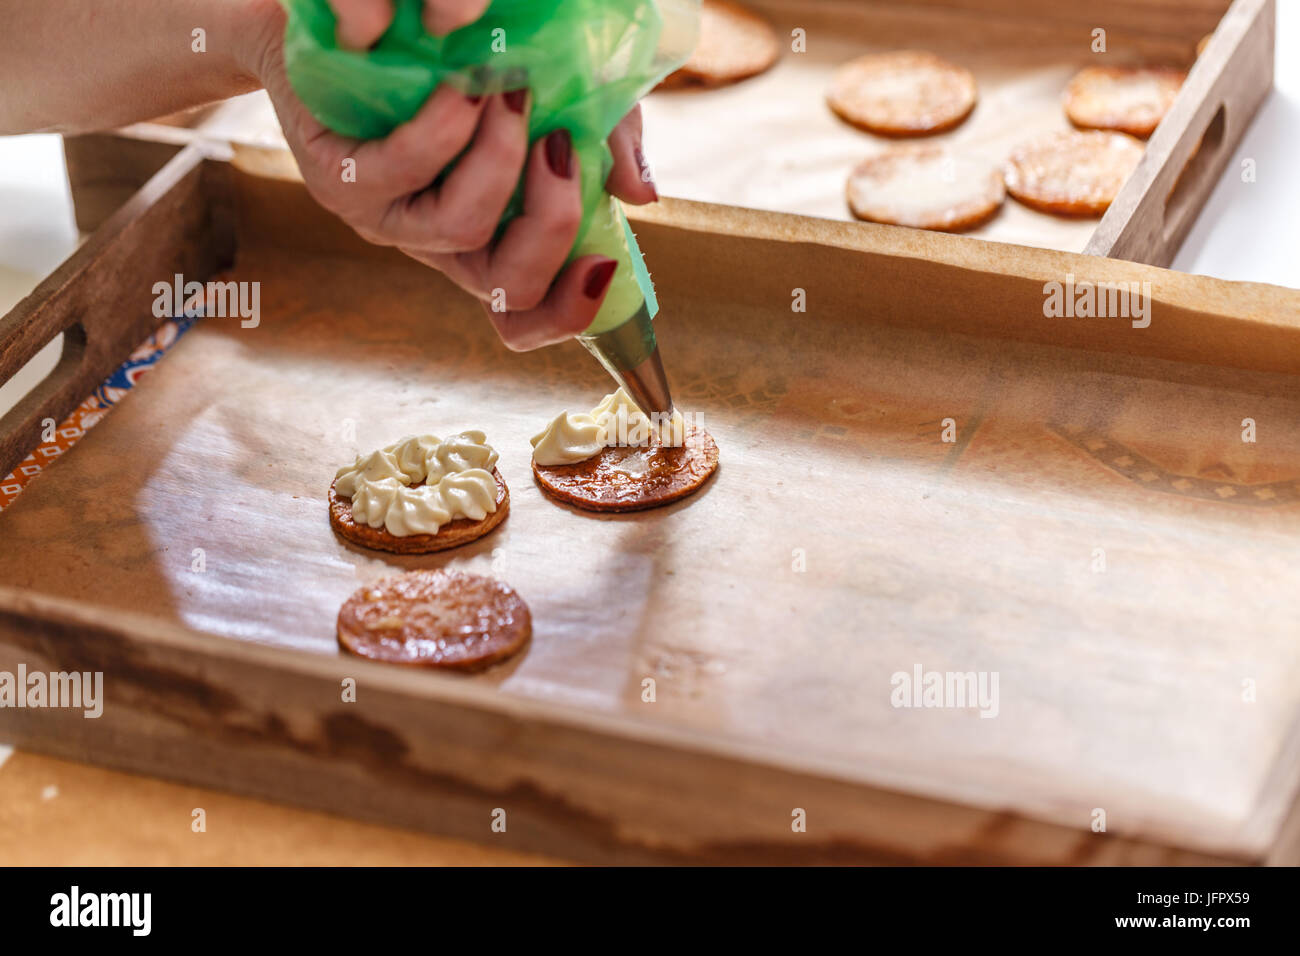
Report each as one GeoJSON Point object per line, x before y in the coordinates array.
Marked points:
{"type": "Point", "coordinates": [1127, 99]}
{"type": "Point", "coordinates": [734, 44]}
{"type": "Point", "coordinates": [925, 187]}
{"type": "Point", "coordinates": [1072, 173]}
{"type": "Point", "coordinates": [602, 483]}
{"type": "Point", "coordinates": [902, 93]}
{"type": "Point", "coordinates": [443, 619]}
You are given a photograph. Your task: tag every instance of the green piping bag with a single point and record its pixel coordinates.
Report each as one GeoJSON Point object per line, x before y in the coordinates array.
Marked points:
{"type": "Point", "coordinates": [587, 63]}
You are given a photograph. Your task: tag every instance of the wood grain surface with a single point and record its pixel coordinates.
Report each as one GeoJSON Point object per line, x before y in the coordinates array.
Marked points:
{"type": "Point", "coordinates": [1121, 689]}
{"type": "Point", "coordinates": [58, 813]}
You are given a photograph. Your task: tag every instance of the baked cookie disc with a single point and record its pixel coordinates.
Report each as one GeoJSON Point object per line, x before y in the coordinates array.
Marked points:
{"type": "Point", "coordinates": [1072, 174]}
{"type": "Point", "coordinates": [445, 619]}
{"type": "Point", "coordinates": [450, 535]}
{"type": "Point", "coordinates": [735, 43]}
{"type": "Point", "coordinates": [926, 187]}
{"type": "Point", "coordinates": [903, 93]}
{"type": "Point", "coordinates": [633, 478]}
{"type": "Point", "coordinates": [1131, 100]}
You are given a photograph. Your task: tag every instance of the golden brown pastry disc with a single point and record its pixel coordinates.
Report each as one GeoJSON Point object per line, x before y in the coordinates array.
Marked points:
{"type": "Point", "coordinates": [1072, 174]}
{"type": "Point", "coordinates": [735, 43]}
{"type": "Point", "coordinates": [926, 187]}
{"type": "Point", "coordinates": [903, 93]}
{"type": "Point", "coordinates": [443, 619]}
{"type": "Point", "coordinates": [1131, 100]}
{"type": "Point", "coordinates": [451, 535]}
{"type": "Point", "coordinates": [633, 479]}
{"type": "Point", "coordinates": [1203, 42]}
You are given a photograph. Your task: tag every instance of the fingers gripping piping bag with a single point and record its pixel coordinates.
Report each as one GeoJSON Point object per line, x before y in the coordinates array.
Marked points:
{"type": "Point", "coordinates": [587, 62]}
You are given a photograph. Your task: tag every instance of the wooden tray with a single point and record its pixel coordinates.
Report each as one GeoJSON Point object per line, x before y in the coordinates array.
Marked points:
{"type": "Point", "coordinates": [771, 142]}
{"type": "Point", "coordinates": [1120, 691]}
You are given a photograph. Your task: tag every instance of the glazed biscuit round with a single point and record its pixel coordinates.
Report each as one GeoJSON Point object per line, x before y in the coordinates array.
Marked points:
{"type": "Point", "coordinates": [1073, 173]}
{"type": "Point", "coordinates": [445, 619]}
{"type": "Point", "coordinates": [633, 479]}
{"type": "Point", "coordinates": [903, 93]}
{"type": "Point", "coordinates": [1129, 100]}
{"type": "Point", "coordinates": [734, 44]}
{"type": "Point", "coordinates": [451, 535]}
{"type": "Point", "coordinates": [926, 187]}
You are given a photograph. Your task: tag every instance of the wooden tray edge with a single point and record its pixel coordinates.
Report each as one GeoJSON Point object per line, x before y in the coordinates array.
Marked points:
{"type": "Point", "coordinates": [411, 742]}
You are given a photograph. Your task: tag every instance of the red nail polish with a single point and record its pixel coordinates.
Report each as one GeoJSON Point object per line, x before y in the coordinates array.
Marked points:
{"type": "Point", "coordinates": [475, 100]}
{"type": "Point", "coordinates": [516, 100]}
{"type": "Point", "coordinates": [598, 278]}
{"type": "Point", "coordinates": [559, 153]}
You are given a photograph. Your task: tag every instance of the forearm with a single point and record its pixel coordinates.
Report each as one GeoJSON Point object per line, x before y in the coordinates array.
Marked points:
{"type": "Point", "coordinates": [80, 65]}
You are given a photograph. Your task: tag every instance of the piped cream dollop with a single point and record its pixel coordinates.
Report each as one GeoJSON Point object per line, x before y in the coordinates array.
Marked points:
{"type": "Point", "coordinates": [616, 420]}
{"type": "Point", "coordinates": [399, 509]}
{"type": "Point", "coordinates": [568, 439]}
{"type": "Point", "coordinates": [419, 484]}
{"type": "Point", "coordinates": [377, 466]}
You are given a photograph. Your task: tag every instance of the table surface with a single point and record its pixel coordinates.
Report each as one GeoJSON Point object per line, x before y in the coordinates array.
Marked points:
{"type": "Point", "coordinates": [51, 811]}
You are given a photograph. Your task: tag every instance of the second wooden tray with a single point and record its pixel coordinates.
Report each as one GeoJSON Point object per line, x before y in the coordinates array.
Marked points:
{"type": "Point", "coordinates": [771, 142]}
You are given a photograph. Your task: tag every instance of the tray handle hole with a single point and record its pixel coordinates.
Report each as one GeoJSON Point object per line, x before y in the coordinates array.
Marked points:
{"type": "Point", "coordinates": [1196, 172]}
{"type": "Point", "coordinates": [41, 376]}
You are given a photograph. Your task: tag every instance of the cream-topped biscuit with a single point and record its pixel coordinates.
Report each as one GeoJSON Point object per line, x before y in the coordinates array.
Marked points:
{"type": "Point", "coordinates": [616, 420]}
{"type": "Point", "coordinates": [418, 484]}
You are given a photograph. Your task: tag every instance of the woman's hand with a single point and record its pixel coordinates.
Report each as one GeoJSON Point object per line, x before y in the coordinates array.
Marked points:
{"type": "Point", "coordinates": [388, 196]}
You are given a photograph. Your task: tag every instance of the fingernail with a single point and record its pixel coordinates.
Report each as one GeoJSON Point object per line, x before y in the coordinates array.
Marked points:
{"type": "Point", "coordinates": [515, 83]}
{"type": "Point", "coordinates": [559, 153]}
{"type": "Point", "coordinates": [646, 176]}
{"type": "Point", "coordinates": [599, 277]}
{"type": "Point", "coordinates": [516, 100]}
{"type": "Point", "coordinates": [475, 100]}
